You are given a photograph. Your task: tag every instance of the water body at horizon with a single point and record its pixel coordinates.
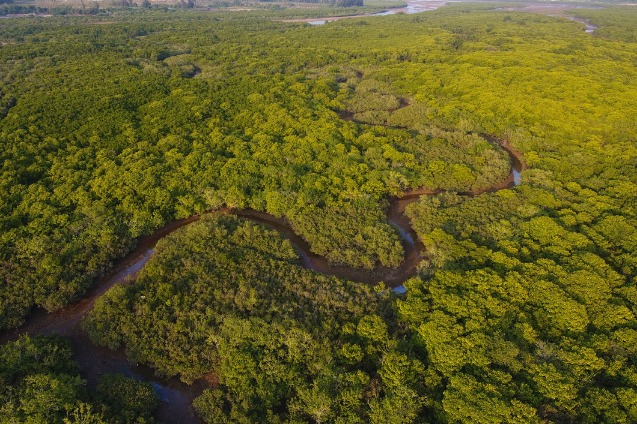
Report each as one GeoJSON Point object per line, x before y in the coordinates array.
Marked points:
{"type": "Point", "coordinates": [415, 6]}
{"type": "Point", "coordinates": [418, 6]}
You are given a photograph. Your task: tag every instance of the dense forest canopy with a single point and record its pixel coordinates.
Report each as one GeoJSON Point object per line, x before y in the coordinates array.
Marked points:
{"type": "Point", "coordinates": [88, 167]}
{"type": "Point", "coordinates": [524, 310]}
{"type": "Point", "coordinates": [41, 384]}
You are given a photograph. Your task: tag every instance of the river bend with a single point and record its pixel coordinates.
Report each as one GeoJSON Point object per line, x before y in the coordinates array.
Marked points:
{"type": "Point", "coordinates": [175, 396]}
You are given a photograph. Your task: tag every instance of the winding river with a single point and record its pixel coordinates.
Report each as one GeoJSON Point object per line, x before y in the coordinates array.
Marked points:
{"type": "Point", "coordinates": [175, 396]}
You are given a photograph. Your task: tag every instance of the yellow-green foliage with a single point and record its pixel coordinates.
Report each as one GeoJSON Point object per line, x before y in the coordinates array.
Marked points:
{"type": "Point", "coordinates": [111, 128]}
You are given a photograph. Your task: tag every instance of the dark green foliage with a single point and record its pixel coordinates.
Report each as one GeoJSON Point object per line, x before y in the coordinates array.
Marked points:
{"type": "Point", "coordinates": [40, 383]}
{"type": "Point", "coordinates": [126, 400]}
{"type": "Point", "coordinates": [38, 355]}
